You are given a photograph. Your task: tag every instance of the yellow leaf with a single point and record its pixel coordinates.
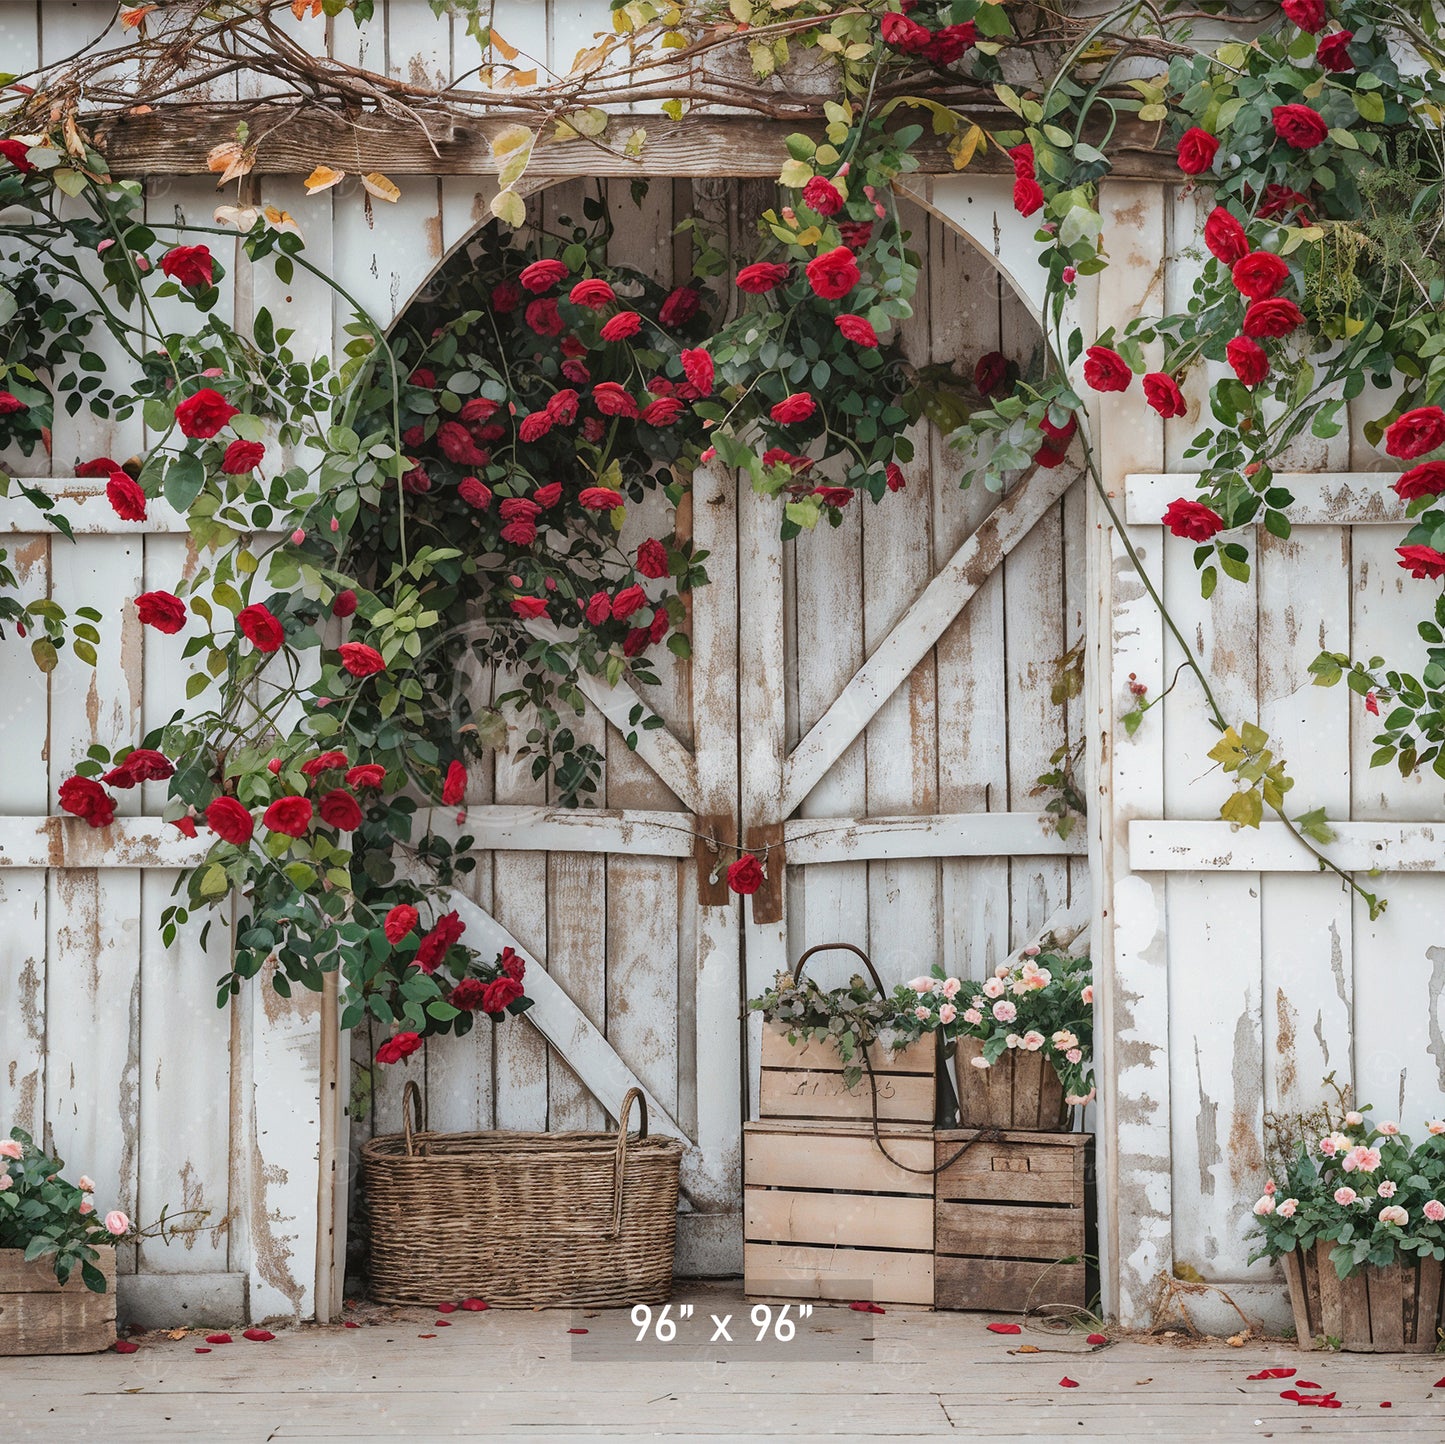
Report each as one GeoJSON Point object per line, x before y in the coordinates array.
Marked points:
{"type": "Point", "coordinates": [588, 60]}
{"type": "Point", "coordinates": [795, 174]}
{"type": "Point", "coordinates": [281, 220]}
{"type": "Point", "coordinates": [591, 122]}
{"type": "Point", "coordinates": [507, 52]}
{"type": "Point", "coordinates": [384, 190]}
{"type": "Point", "coordinates": [132, 15]}
{"type": "Point", "coordinates": [1353, 326]}
{"type": "Point", "coordinates": [507, 206]}
{"type": "Point", "coordinates": [231, 159]}
{"type": "Point", "coordinates": [517, 80]}
{"type": "Point", "coordinates": [809, 237]}
{"type": "Point", "coordinates": [322, 179]}
{"type": "Point", "coordinates": [633, 146]}
{"type": "Point", "coordinates": [673, 109]}
{"type": "Point", "coordinates": [299, 8]}
{"type": "Point", "coordinates": [963, 147]}
{"type": "Point", "coordinates": [508, 139]}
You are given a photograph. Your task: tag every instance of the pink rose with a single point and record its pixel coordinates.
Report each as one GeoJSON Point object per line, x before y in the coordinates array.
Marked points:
{"type": "Point", "coordinates": [1287, 1208]}
{"type": "Point", "coordinates": [993, 988]}
{"type": "Point", "coordinates": [1075, 1055]}
{"type": "Point", "coordinates": [947, 1013]}
{"type": "Point", "coordinates": [1004, 1011]}
{"type": "Point", "coordinates": [5, 1182]}
{"type": "Point", "coordinates": [86, 1208]}
{"type": "Point", "coordinates": [1387, 1189]}
{"type": "Point", "coordinates": [921, 985]}
{"type": "Point", "coordinates": [1345, 1196]}
{"type": "Point", "coordinates": [972, 1017]}
{"type": "Point", "coordinates": [9, 1148]}
{"type": "Point", "coordinates": [1264, 1207]}
{"type": "Point", "coordinates": [1087, 996]}
{"type": "Point", "coordinates": [1271, 1188]}
{"type": "Point", "coordinates": [1435, 1128]}
{"type": "Point", "coordinates": [1033, 1041]}
{"type": "Point", "coordinates": [921, 1014]}
{"type": "Point", "coordinates": [1390, 1128]}
{"type": "Point", "coordinates": [1367, 1160]}
{"type": "Point", "coordinates": [1435, 1210]}
{"type": "Point", "coordinates": [116, 1223]}
{"type": "Point", "coordinates": [1393, 1213]}
{"type": "Point", "coordinates": [979, 1062]}
{"type": "Point", "coordinates": [86, 1185]}
{"type": "Point", "coordinates": [951, 987]}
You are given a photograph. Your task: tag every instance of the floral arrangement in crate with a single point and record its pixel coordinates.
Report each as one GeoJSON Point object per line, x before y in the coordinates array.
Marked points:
{"type": "Point", "coordinates": [46, 1216]}
{"type": "Point", "coordinates": [1044, 1003]}
{"type": "Point", "coordinates": [852, 1017]}
{"type": "Point", "coordinates": [1364, 1187]}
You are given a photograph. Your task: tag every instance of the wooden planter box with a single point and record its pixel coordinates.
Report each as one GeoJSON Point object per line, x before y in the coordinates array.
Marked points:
{"type": "Point", "coordinates": [1395, 1310]}
{"type": "Point", "coordinates": [806, 1081]}
{"type": "Point", "coordinates": [39, 1315]}
{"type": "Point", "coordinates": [1005, 1213]}
{"type": "Point", "coordinates": [1020, 1091]}
{"type": "Point", "coordinates": [808, 1238]}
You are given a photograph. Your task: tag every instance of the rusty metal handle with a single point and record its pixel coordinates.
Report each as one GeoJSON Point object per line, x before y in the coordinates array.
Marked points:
{"type": "Point", "coordinates": [846, 947]}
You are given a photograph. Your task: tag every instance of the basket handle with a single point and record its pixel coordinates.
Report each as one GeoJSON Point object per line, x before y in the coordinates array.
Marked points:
{"type": "Point", "coordinates": [619, 1166]}
{"type": "Point", "coordinates": [410, 1110]}
{"type": "Point", "coordinates": [845, 947]}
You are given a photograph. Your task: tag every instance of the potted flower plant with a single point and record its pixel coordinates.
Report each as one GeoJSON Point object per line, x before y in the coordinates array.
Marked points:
{"type": "Point", "coordinates": [1358, 1225]}
{"type": "Point", "coordinates": [1022, 1040]}
{"type": "Point", "coordinates": [57, 1256]}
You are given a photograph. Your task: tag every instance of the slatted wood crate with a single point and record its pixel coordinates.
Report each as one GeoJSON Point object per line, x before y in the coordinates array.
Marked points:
{"type": "Point", "coordinates": [40, 1315]}
{"type": "Point", "coordinates": [805, 1081]}
{"type": "Point", "coordinates": [808, 1238]}
{"type": "Point", "coordinates": [1005, 1213]}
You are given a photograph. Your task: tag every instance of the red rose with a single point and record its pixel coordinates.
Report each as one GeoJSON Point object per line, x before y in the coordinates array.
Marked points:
{"type": "Point", "coordinates": [142, 764]}
{"type": "Point", "coordinates": [1259, 275]}
{"type": "Point", "coordinates": [949, 44]}
{"type": "Point", "coordinates": [894, 474]}
{"type": "Point", "coordinates": [799, 406]}
{"type": "Point", "coordinates": [340, 810]}
{"type": "Point", "coordinates": [1106, 370]}
{"type": "Point", "coordinates": [468, 994]}
{"type": "Point", "coordinates": [612, 400]}
{"type": "Point", "coordinates": [424, 377]}
{"type": "Point", "coordinates": [635, 641]}
{"type": "Point", "coordinates": [86, 799]}
{"type": "Point", "coordinates": [1307, 14]}
{"type": "Point", "coordinates": [535, 426]}
{"type": "Point", "coordinates": [652, 559]}
{"type": "Point", "coordinates": [599, 608]}
{"type": "Point", "coordinates": [822, 196]}
{"type": "Point", "coordinates": [1422, 562]}
{"type": "Point", "coordinates": [904, 35]}
{"type": "Point", "coordinates": [475, 493]}
{"type": "Point", "coordinates": [260, 627]}
{"type": "Point", "coordinates": [17, 153]}
{"type": "Point", "coordinates": [241, 457]}
{"type": "Point", "coordinates": [621, 326]}
{"type": "Point", "coordinates": [1225, 237]}
{"type": "Point", "coordinates": [990, 373]}
{"type": "Point", "coordinates": [416, 481]}
{"type": "Point", "coordinates": [662, 412]}
{"type": "Point", "coordinates": [100, 466]}
{"type": "Point", "coordinates": [1299, 127]}
{"type": "Point", "coordinates": [184, 825]}
{"type": "Point", "coordinates": [594, 428]}
{"type": "Point", "coordinates": [397, 1047]}
{"type": "Point", "coordinates": [10, 403]}
{"type": "Point", "coordinates": [519, 533]}
{"type": "Point", "coordinates": [324, 762]}
{"type": "Point", "coordinates": [576, 372]}
{"type": "Point", "coordinates": [856, 329]}
{"type": "Point", "coordinates": [506, 296]}
{"type": "Point", "coordinates": [1280, 199]}
{"type": "Point", "coordinates": [230, 821]}
{"type": "Point", "coordinates": [1059, 435]}
{"type": "Point", "coordinates": [573, 346]}
{"type": "Point", "coordinates": [562, 408]}
{"type": "Point", "coordinates": [399, 922]}
{"type": "Point", "coordinates": [548, 496]}
{"type": "Point", "coordinates": [499, 994]}
{"type": "Point", "coordinates": [288, 815]}
{"type": "Point", "coordinates": [543, 275]}
{"type": "Point", "coordinates": [834, 495]}
{"type": "Point", "coordinates": [361, 660]}
{"type": "Point", "coordinates": [1163, 394]}
{"type": "Point", "coordinates": [1197, 149]}
{"type": "Point", "coordinates": [513, 964]}
{"type": "Point", "coordinates": [455, 786]}
{"type": "Point", "coordinates": [856, 234]}
{"type": "Point", "coordinates": [1248, 359]}
{"type": "Point", "coordinates": [1192, 519]}
{"type": "Point", "coordinates": [1333, 52]}
{"type": "Point", "coordinates": [1413, 433]}
{"type": "Point", "coordinates": [599, 498]}
{"type": "Point", "coordinates": [745, 876]}
{"type": "Point", "coordinates": [433, 948]}
{"type": "Point", "coordinates": [164, 611]}
{"type": "Point", "coordinates": [761, 276]}
{"type": "Point", "coordinates": [594, 294]}
{"type": "Point", "coordinates": [544, 317]}
{"type": "Point", "coordinates": [126, 498]}
{"type": "Point", "coordinates": [479, 408]}
{"type": "Point", "coordinates": [343, 604]}
{"type": "Point", "coordinates": [627, 601]}
{"type": "Point", "coordinates": [1427, 479]}
{"type": "Point", "coordinates": [833, 274]}
{"type": "Point", "coordinates": [1275, 317]}
{"type": "Point", "coordinates": [366, 774]}
{"type": "Point", "coordinates": [190, 265]}
{"type": "Point", "coordinates": [1028, 196]}
{"type": "Point", "coordinates": [519, 508]}
{"type": "Point", "coordinates": [456, 444]}
{"type": "Point", "coordinates": [680, 307]}
{"type": "Point", "coordinates": [698, 368]}
{"type": "Point", "coordinates": [204, 414]}
{"type": "Point", "coordinates": [529, 607]}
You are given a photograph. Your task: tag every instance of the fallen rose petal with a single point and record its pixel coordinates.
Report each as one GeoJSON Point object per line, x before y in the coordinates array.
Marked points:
{"type": "Point", "coordinates": [426, 1336]}
{"type": "Point", "coordinates": [578, 1331]}
{"type": "Point", "coordinates": [441, 1323]}
{"type": "Point", "coordinates": [218, 1338]}
{"type": "Point", "coordinates": [1096, 1339]}
{"type": "Point", "coordinates": [446, 1308]}
{"type": "Point", "coordinates": [1439, 1384]}
{"type": "Point", "coordinates": [1307, 1384]}
{"type": "Point", "coordinates": [350, 1324]}
{"type": "Point", "coordinates": [1273, 1374]}
{"type": "Point", "coordinates": [474, 1306]}
{"type": "Point", "coordinates": [124, 1346]}
{"type": "Point", "coordinates": [1068, 1383]}
{"type": "Point", "coordinates": [258, 1336]}
{"type": "Point", "coordinates": [1004, 1329]}
{"type": "Point", "coordinates": [202, 1351]}
{"type": "Point", "coordinates": [864, 1306]}
{"type": "Point", "coordinates": [1386, 1405]}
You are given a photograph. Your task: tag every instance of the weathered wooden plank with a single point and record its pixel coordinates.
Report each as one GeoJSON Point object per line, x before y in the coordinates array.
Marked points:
{"type": "Point", "coordinates": [1178, 845]}
{"type": "Point", "coordinates": [1322, 498]}
{"type": "Point", "coordinates": [805, 1155]}
{"type": "Point", "coordinates": [39, 1316]}
{"type": "Point", "coordinates": [916, 632]}
{"type": "Point", "coordinates": [797, 1093]}
{"type": "Point", "coordinates": [1006, 1285]}
{"type": "Point", "coordinates": [837, 1220]}
{"type": "Point", "coordinates": [795, 1271]}
{"type": "Point", "coordinates": [1008, 1230]}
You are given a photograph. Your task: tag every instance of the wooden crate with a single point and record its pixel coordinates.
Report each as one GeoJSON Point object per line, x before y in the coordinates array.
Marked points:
{"type": "Point", "coordinates": [806, 1081]}
{"type": "Point", "coordinates": [827, 1216]}
{"type": "Point", "coordinates": [39, 1315]}
{"type": "Point", "coordinates": [1005, 1213]}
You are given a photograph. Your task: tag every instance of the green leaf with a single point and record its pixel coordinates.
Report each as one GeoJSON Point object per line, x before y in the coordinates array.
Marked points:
{"type": "Point", "coordinates": [184, 479]}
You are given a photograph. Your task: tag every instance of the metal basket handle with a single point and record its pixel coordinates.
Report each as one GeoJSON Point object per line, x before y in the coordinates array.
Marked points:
{"type": "Point", "coordinates": [846, 947]}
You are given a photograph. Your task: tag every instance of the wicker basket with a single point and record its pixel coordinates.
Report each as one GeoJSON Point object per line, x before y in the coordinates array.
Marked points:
{"type": "Point", "coordinates": [521, 1219]}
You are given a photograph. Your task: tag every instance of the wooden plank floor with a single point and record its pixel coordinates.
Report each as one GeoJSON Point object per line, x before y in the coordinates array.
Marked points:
{"type": "Point", "coordinates": [902, 1375]}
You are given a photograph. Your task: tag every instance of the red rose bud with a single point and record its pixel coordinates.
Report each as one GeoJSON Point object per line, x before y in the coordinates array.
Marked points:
{"type": "Point", "coordinates": [361, 660]}
{"type": "Point", "coordinates": [1248, 360]}
{"type": "Point", "coordinates": [628, 600]}
{"type": "Point", "coordinates": [680, 307]}
{"type": "Point", "coordinates": [1163, 394]}
{"type": "Point", "coordinates": [1225, 237]}
{"type": "Point", "coordinates": [621, 326]}
{"type": "Point", "coordinates": [599, 498]}
{"type": "Point", "coordinates": [1333, 53]}
{"type": "Point", "coordinates": [85, 798]}
{"type": "Point", "coordinates": [1422, 562]}
{"type": "Point", "coordinates": [543, 275]}
{"type": "Point", "coordinates": [697, 366]}
{"type": "Point", "coordinates": [761, 277]}
{"type": "Point", "coordinates": [454, 788]}
{"type": "Point", "coordinates": [230, 821]}
{"type": "Point", "coordinates": [125, 496]}
{"type": "Point", "coordinates": [1028, 196]}
{"type": "Point", "coordinates": [794, 408]}
{"type": "Point", "coordinates": [595, 294]}
{"type": "Point", "coordinates": [343, 604]}
{"type": "Point", "coordinates": [399, 922]}
{"type": "Point", "coordinates": [1309, 15]}
{"type": "Point", "coordinates": [857, 330]}
{"type": "Point", "coordinates": [745, 876]}
{"type": "Point", "coordinates": [1427, 479]}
